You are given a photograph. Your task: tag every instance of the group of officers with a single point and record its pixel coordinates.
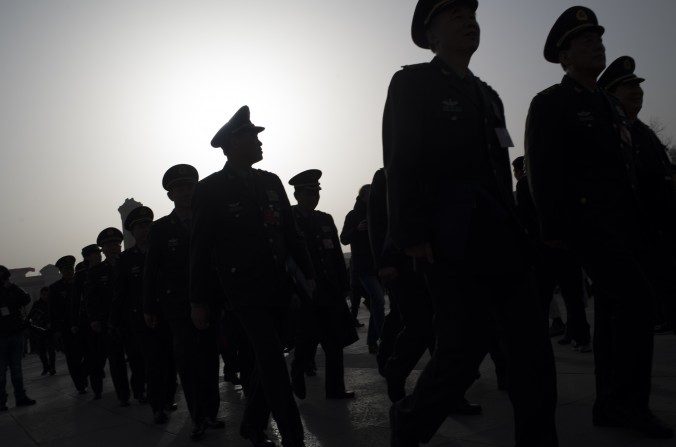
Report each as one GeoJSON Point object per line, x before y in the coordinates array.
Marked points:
{"type": "Point", "coordinates": [449, 242]}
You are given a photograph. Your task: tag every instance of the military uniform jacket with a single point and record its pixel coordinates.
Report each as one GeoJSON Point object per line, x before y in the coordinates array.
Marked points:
{"type": "Point", "coordinates": [60, 294]}
{"type": "Point", "coordinates": [77, 308]}
{"type": "Point", "coordinates": [321, 237]}
{"type": "Point", "coordinates": [99, 291]}
{"type": "Point", "coordinates": [165, 280]}
{"type": "Point", "coordinates": [653, 170]}
{"type": "Point", "coordinates": [579, 160]}
{"type": "Point", "coordinates": [445, 147]}
{"type": "Point", "coordinates": [243, 228]}
{"type": "Point", "coordinates": [127, 307]}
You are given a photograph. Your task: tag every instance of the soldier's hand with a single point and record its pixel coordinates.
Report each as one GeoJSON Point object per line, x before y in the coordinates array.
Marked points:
{"type": "Point", "coordinates": [421, 251]}
{"type": "Point", "coordinates": [387, 274]}
{"type": "Point", "coordinates": [363, 225]}
{"type": "Point", "coordinates": [556, 244]}
{"type": "Point", "coordinates": [96, 326]}
{"type": "Point", "coordinates": [200, 317]}
{"type": "Point", "coordinates": [151, 320]}
{"type": "Point", "coordinates": [74, 329]}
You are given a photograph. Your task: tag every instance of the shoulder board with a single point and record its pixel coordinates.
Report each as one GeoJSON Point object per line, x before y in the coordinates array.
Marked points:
{"type": "Point", "coordinates": [420, 66]}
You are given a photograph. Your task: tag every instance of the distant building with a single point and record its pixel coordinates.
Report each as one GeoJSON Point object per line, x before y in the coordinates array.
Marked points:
{"type": "Point", "coordinates": [32, 284]}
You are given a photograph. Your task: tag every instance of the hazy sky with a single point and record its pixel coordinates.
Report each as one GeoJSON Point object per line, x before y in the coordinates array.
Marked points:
{"type": "Point", "coordinates": [99, 98]}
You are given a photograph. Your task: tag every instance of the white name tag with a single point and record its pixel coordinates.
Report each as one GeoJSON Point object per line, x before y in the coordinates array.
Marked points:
{"type": "Point", "coordinates": [503, 137]}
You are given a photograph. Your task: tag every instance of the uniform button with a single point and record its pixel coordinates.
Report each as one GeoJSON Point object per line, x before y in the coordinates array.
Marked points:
{"type": "Point", "coordinates": [583, 200]}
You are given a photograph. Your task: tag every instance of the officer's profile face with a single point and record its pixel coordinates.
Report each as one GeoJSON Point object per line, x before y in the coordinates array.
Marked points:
{"type": "Point", "coordinates": [519, 172]}
{"type": "Point", "coordinates": [307, 198]}
{"type": "Point", "coordinates": [94, 258]}
{"type": "Point", "coordinates": [454, 30]}
{"type": "Point", "coordinates": [140, 231]}
{"type": "Point", "coordinates": [181, 194]}
{"type": "Point", "coordinates": [245, 148]}
{"type": "Point", "coordinates": [67, 272]}
{"type": "Point", "coordinates": [111, 249]}
{"type": "Point", "coordinates": [585, 53]}
{"type": "Point", "coordinates": [631, 96]}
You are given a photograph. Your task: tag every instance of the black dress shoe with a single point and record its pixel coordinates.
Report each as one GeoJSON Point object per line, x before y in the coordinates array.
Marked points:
{"type": "Point", "coordinates": [82, 391]}
{"type": "Point", "coordinates": [142, 400]}
{"type": "Point", "coordinates": [97, 396]}
{"type": "Point", "coordinates": [160, 417]}
{"type": "Point", "coordinates": [214, 423]}
{"type": "Point", "coordinates": [52, 372]}
{"type": "Point", "coordinates": [44, 372]}
{"type": "Point", "coordinates": [298, 384]}
{"type": "Point", "coordinates": [259, 439]}
{"type": "Point", "coordinates": [465, 408]}
{"type": "Point", "coordinates": [124, 403]}
{"type": "Point", "coordinates": [198, 430]}
{"type": "Point", "coordinates": [341, 395]}
{"type": "Point", "coordinates": [25, 402]}
{"type": "Point", "coordinates": [171, 407]}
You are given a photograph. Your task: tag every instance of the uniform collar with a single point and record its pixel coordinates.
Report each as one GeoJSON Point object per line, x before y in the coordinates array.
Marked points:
{"type": "Point", "coordinates": [448, 71]}
{"type": "Point", "coordinates": [571, 83]}
{"type": "Point", "coordinates": [233, 172]}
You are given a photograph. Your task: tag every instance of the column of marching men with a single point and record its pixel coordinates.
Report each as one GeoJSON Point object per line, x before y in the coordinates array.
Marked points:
{"type": "Point", "coordinates": [469, 270]}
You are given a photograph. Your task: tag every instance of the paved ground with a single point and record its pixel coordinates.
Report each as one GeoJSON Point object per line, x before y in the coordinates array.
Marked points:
{"type": "Point", "coordinates": [63, 418]}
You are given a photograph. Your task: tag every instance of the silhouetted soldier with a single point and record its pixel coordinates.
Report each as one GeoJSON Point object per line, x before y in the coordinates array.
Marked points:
{"type": "Point", "coordinates": [655, 187]}
{"type": "Point", "coordinates": [167, 312]}
{"type": "Point", "coordinates": [99, 290]}
{"type": "Point", "coordinates": [41, 329]}
{"type": "Point", "coordinates": [126, 314]}
{"type": "Point", "coordinates": [80, 327]}
{"type": "Point", "coordinates": [60, 295]}
{"type": "Point", "coordinates": [583, 180]}
{"type": "Point", "coordinates": [355, 233]}
{"type": "Point", "coordinates": [244, 228]}
{"type": "Point", "coordinates": [554, 266]}
{"type": "Point", "coordinates": [324, 317]}
{"type": "Point", "coordinates": [451, 208]}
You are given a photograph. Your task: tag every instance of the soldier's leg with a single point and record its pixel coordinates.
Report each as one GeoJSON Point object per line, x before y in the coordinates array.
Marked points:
{"type": "Point", "coordinates": [118, 366]}
{"type": "Point", "coordinates": [154, 353]}
{"type": "Point", "coordinates": [137, 364]}
{"type": "Point", "coordinates": [41, 346]}
{"type": "Point", "coordinates": [376, 298]}
{"type": "Point", "coordinates": [15, 357]}
{"type": "Point", "coordinates": [183, 346]}
{"type": "Point", "coordinates": [330, 329]}
{"type": "Point", "coordinates": [461, 343]}
{"type": "Point", "coordinates": [392, 325]}
{"type": "Point", "coordinates": [207, 362]}
{"type": "Point", "coordinates": [260, 325]}
{"type": "Point", "coordinates": [51, 351]}
{"type": "Point", "coordinates": [95, 359]}
{"type": "Point", "coordinates": [571, 281]}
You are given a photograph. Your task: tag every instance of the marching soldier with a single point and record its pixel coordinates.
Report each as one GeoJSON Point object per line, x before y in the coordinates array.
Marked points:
{"type": "Point", "coordinates": [60, 295]}
{"type": "Point", "coordinates": [126, 315]}
{"type": "Point", "coordinates": [167, 312]}
{"type": "Point", "coordinates": [451, 209]}
{"type": "Point", "coordinates": [654, 177]}
{"type": "Point", "coordinates": [325, 317]}
{"type": "Point", "coordinates": [99, 290]}
{"type": "Point", "coordinates": [80, 328]}
{"type": "Point", "coordinates": [244, 228]}
{"type": "Point", "coordinates": [583, 179]}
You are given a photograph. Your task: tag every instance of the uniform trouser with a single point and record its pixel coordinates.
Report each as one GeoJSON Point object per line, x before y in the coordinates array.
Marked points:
{"type": "Point", "coordinates": [197, 363]}
{"type": "Point", "coordinates": [125, 345]}
{"type": "Point", "coordinates": [96, 355]}
{"type": "Point", "coordinates": [376, 296]}
{"type": "Point", "coordinates": [560, 267]}
{"type": "Point", "coordinates": [74, 347]}
{"type": "Point", "coordinates": [322, 325]}
{"type": "Point", "coordinates": [160, 367]}
{"type": "Point", "coordinates": [414, 305]}
{"type": "Point", "coordinates": [392, 326]}
{"type": "Point", "coordinates": [269, 385]}
{"type": "Point", "coordinates": [46, 349]}
{"type": "Point", "coordinates": [11, 354]}
{"type": "Point", "coordinates": [621, 265]}
{"type": "Point", "coordinates": [464, 303]}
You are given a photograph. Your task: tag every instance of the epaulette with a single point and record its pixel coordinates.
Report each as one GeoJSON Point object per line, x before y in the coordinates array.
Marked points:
{"type": "Point", "coordinates": [414, 67]}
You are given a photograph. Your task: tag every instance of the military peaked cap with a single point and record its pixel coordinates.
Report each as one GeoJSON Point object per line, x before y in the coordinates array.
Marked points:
{"type": "Point", "coordinates": [89, 249]}
{"type": "Point", "coordinates": [109, 235]}
{"type": "Point", "coordinates": [65, 262]}
{"type": "Point", "coordinates": [80, 266]}
{"type": "Point", "coordinates": [518, 162]}
{"type": "Point", "coordinates": [425, 11]}
{"type": "Point", "coordinates": [138, 215]}
{"type": "Point", "coordinates": [621, 71]}
{"type": "Point", "coordinates": [240, 122]}
{"type": "Point", "coordinates": [307, 180]}
{"type": "Point", "coordinates": [179, 173]}
{"type": "Point", "coordinates": [572, 22]}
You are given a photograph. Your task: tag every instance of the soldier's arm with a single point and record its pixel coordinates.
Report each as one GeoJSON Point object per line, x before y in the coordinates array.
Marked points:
{"type": "Point", "coordinates": [151, 273]}
{"type": "Point", "coordinates": [339, 260]}
{"type": "Point", "coordinates": [118, 301]}
{"type": "Point", "coordinates": [377, 217]}
{"type": "Point", "coordinates": [544, 168]}
{"type": "Point", "coordinates": [202, 238]}
{"type": "Point", "coordinates": [349, 227]}
{"type": "Point", "coordinates": [402, 153]}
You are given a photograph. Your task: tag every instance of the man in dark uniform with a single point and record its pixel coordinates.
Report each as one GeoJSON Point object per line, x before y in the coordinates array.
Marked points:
{"type": "Point", "coordinates": [99, 290]}
{"type": "Point", "coordinates": [167, 313]}
{"type": "Point", "coordinates": [324, 316]}
{"type": "Point", "coordinates": [243, 227]}
{"type": "Point", "coordinates": [60, 294]}
{"type": "Point", "coordinates": [583, 181]}
{"type": "Point", "coordinates": [451, 209]}
{"type": "Point", "coordinates": [654, 177]}
{"type": "Point", "coordinates": [555, 266]}
{"type": "Point", "coordinates": [80, 328]}
{"type": "Point", "coordinates": [126, 316]}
